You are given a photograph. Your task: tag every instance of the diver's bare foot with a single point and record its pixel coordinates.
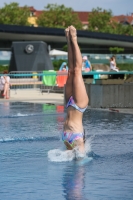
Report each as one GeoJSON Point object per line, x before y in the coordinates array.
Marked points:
{"type": "Point", "coordinates": [73, 33]}
{"type": "Point", "coordinates": [67, 34]}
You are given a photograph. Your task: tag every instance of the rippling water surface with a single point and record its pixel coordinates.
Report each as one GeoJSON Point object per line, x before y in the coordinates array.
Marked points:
{"type": "Point", "coordinates": [35, 166]}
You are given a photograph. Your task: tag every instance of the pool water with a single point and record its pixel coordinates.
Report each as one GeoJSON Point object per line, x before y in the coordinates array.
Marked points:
{"type": "Point", "coordinates": [35, 166]}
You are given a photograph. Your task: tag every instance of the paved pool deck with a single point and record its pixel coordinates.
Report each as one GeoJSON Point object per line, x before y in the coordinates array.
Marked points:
{"type": "Point", "coordinates": [35, 96]}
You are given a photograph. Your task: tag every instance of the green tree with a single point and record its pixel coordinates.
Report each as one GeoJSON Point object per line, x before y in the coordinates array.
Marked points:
{"type": "Point", "coordinates": [124, 29]}
{"type": "Point", "coordinates": [58, 16]}
{"type": "Point", "coordinates": [116, 50]}
{"type": "Point", "coordinates": [65, 48]}
{"type": "Point", "coordinates": [129, 30]}
{"type": "Point", "coordinates": [13, 14]}
{"type": "Point", "coordinates": [100, 20]}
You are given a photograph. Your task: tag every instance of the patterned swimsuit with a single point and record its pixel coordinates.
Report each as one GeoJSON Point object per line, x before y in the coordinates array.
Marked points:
{"type": "Point", "coordinates": [71, 137]}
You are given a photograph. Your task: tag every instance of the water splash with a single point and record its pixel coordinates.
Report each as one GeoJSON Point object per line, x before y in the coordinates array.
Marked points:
{"type": "Point", "coordinates": [60, 155]}
{"type": "Point", "coordinates": [57, 155]}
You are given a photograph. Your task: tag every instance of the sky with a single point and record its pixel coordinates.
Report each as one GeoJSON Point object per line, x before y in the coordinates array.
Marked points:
{"type": "Point", "coordinates": [118, 7]}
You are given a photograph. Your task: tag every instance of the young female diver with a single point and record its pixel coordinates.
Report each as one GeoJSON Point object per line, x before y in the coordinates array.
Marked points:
{"type": "Point", "coordinates": [75, 95]}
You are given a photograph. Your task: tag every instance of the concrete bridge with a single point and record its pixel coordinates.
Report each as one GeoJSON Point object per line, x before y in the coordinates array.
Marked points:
{"type": "Point", "coordinates": [89, 42]}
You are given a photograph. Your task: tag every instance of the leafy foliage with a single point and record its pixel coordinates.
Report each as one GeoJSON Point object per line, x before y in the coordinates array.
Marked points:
{"type": "Point", "coordinates": [58, 16]}
{"type": "Point", "coordinates": [116, 50]}
{"type": "Point", "coordinates": [14, 15]}
{"type": "Point", "coordinates": [99, 20]}
{"type": "Point", "coordinates": [124, 29]}
{"type": "Point", "coordinates": [57, 63]}
{"type": "Point", "coordinates": [65, 48]}
{"type": "Point", "coordinates": [2, 68]}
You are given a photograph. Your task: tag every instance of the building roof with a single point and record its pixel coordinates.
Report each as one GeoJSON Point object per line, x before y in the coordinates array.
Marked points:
{"type": "Point", "coordinates": [38, 13]}
{"type": "Point", "coordinates": [32, 9]}
{"type": "Point", "coordinates": [123, 18]}
{"type": "Point", "coordinates": [83, 16]}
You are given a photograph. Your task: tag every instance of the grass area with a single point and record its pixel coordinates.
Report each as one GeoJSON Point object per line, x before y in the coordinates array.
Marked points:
{"type": "Point", "coordinates": [125, 66]}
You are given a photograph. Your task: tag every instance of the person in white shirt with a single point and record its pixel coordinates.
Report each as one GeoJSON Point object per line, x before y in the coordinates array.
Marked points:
{"type": "Point", "coordinates": [113, 64]}
{"type": "Point", "coordinates": [5, 84]}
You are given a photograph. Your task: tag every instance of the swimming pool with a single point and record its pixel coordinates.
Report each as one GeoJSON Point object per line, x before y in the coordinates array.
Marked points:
{"type": "Point", "coordinates": [34, 164]}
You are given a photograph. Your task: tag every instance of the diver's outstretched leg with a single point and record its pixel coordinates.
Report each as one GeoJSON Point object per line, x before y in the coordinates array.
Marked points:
{"type": "Point", "coordinates": [79, 91]}
{"type": "Point", "coordinates": [68, 87]}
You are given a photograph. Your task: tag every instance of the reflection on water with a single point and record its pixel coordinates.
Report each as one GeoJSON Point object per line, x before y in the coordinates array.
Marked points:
{"type": "Point", "coordinates": [74, 183]}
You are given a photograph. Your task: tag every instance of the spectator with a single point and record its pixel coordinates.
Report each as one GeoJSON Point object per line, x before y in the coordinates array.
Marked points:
{"type": "Point", "coordinates": [5, 84]}
{"type": "Point", "coordinates": [113, 64]}
{"type": "Point", "coordinates": [86, 66]}
{"type": "Point", "coordinates": [63, 67]}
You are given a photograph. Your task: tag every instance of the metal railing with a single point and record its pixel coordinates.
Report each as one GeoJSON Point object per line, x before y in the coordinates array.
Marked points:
{"type": "Point", "coordinates": [25, 79]}
{"type": "Point", "coordinates": [32, 79]}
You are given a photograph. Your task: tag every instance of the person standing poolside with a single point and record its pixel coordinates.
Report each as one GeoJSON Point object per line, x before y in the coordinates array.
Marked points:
{"type": "Point", "coordinates": [75, 95]}
{"type": "Point", "coordinates": [5, 84]}
{"type": "Point", "coordinates": [86, 65]}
